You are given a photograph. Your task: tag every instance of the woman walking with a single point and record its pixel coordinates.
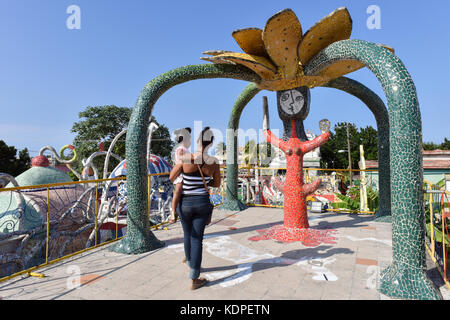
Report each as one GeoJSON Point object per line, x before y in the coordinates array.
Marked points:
{"type": "Point", "coordinates": [194, 207]}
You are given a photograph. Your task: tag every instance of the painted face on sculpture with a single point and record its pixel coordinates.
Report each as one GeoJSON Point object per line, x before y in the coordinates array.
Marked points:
{"type": "Point", "coordinates": [294, 103]}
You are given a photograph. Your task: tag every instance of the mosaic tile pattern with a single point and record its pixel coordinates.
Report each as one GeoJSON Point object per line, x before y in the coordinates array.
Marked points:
{"type": "Point", "coordinates": [295, 226]}
{"type": "Point", "coordinates": [406, 277]}
{"type": "Point", "coordinates": [309, 237]}
{"type": "Point", "coordinates": [377, 107]}
{"type": "Point", "coordinates": [295, 190]}
{"type": "Point", "coordinates": [231, 198]}
{"type": "Point", "coordinates": [139, 238]}
{"type": "Point", "coordinates": [372, 101]}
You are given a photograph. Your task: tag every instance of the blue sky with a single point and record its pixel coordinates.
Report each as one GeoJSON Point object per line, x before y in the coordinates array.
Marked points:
{"type": "Point", "coordinates": [49, 73]}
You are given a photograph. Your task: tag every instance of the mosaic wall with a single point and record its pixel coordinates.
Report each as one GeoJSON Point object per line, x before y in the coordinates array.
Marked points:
{"type": "Point", "coordinates": [231, 198]}
{"type": "Point", "coordinates": [406, 277]}
{"type": "Point", "coordinates": [139, 238]}
{"type": "Point", "coordinates": [377, 107]}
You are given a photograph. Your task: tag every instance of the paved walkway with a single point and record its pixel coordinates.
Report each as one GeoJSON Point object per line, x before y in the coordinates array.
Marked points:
{"type": "Point", "coordinates": [237, 267]}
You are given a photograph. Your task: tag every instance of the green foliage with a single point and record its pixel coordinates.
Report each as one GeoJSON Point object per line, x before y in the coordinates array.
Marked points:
{"type": "Point", "coordinates": [369, 139]}
{"type": "Point", "coordinates": [347, 202]}
{"type": "Point", "coordinates": [11, 164]}
{"type": "Point", "coordinates": [254, 152]}
{"type": "Point", "coordinates": [430, 146]}
{"type": "Point", "coordinates": [441, 183]}
{"type": "Point", "coordinates": [373, 199]}
{"type": "Point", "coordinates": [445, 145]}
{"type": "Point", "coordinates": [437, 219]}
{"type": "Point", "coordinates": [437, 234]}
{"type": "Point", "coordinates": [162, 144]}
{"type": "Point", "coordinates": [72, 176]}
{"type": "Point", "coordinates": [331, 158]}
{"type": "Point", "coordinates": [352, 200]}
{"type": "Point", "coordinates": [220, 149]}
{"type": "Point", "coordinates": [102, 124]}
{"type": "Point", "coordinates": [250, 152]}
{"type": "Point", "coordinates": [433, 146]}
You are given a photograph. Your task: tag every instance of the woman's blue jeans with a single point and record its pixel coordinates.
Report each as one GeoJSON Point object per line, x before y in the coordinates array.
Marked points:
{"type": "Point", "coordinates": [194, 212]}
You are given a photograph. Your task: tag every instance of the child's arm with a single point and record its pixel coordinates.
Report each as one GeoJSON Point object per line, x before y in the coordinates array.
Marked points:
{"type": "Point", "coordinates": [175, 171]}
{"type": "Point", "coordinates": [215, 182]}
{"type": "Point", "coordinates": [183, 156]}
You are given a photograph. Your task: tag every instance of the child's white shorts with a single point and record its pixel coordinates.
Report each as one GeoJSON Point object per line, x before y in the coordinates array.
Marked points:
{"type": "Point", "coordinates": [178, 180]}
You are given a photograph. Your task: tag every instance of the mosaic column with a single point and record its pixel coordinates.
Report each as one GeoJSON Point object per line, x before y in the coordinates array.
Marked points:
{"type": "Point", "coordinates": [139, 237]}
{"type": "Point", "coordinates": [406, 276]}
{"type": "Point", "coordinates": [231, 198]}
{"type": "Point", "coordinates": [376, 105]}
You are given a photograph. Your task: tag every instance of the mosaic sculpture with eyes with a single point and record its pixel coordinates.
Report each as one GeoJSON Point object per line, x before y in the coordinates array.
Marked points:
{"type": "Point", "coordinates": [293, 108]}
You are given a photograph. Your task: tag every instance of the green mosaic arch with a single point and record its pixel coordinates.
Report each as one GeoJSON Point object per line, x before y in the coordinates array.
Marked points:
{"type": "Point", "coordinates": [139, 238]}
{"type": "Point", "coordinates": [378, 108]}
{"type": "Point", "coordinates": [231, 198]}
{"type": "Point", "coordinates": [406, 276]}
{"type": "Point", "coordinates": [372, 101]}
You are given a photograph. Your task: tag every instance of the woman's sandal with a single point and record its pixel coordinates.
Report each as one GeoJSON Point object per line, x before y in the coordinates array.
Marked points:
{"type": "Point", "coordinates": [198, 283]}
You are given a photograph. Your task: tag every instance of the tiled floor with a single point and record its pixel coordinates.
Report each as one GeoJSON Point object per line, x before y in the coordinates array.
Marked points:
{"type": "Point", "coordinates": [236, 267]}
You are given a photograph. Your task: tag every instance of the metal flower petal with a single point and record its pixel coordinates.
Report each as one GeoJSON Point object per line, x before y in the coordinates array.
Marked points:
{"type": "Point", "coordinates": [281, 36]}
{"type": "Point", "coordinates": [334, 27]}
{"type": "Point", "coordinates": [260, 65]}
{"type": "Point", "coordinates": [251, 42]}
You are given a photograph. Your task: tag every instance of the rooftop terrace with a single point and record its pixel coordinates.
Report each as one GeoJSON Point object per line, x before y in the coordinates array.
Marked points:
{"type": "Point", "coordinates": [236, 267]}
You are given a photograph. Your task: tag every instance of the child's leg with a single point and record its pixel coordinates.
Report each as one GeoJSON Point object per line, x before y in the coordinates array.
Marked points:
{"type": "Point", "coordinates": [176, 199]}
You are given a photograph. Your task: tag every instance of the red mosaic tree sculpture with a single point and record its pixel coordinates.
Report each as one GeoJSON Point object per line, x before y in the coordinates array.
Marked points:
{"type": "Point", "coordinates": [294, 189]}
{"type": "Point", "coordinates": [293, 107]}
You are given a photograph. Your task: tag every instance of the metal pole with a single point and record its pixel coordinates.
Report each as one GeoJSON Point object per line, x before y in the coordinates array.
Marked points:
{"type": "Point", "coordinates": [96, 212]}
{"type": "Point", "coordinates": [349, 155]}
{"type": "Point", "coordinates": [48, 225]}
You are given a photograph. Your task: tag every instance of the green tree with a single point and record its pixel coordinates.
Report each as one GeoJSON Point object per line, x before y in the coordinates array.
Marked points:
{"type": "Point", "coordinates": [445, 145]}
{"type": "Point", "coordinates": [162, 144]}
{"type": "Point", "coordinates": [368, 137]}
{"type": "Point", "coordinates": [254, 153]}
{"type": "Point", "coordinates": [221, 149]}
{"type": "Point", "coordinates": [332, 158]}
{"type": "Point", "coordinates": [10, 163]}
{"type": "Point", "coordinates": [430, 146]}
{"type": "Point", "coordinates": [265, 152]}
{"type": "Point", "coordinates": [328, 154]}
{"type": "Point", "coordinates": [102, 123]}
{"type": "Point", "coordinates": [251, 152]}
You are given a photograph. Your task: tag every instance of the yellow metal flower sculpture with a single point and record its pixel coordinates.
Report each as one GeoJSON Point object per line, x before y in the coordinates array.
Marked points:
{"type": "Point", "coordinates": [279, 53]}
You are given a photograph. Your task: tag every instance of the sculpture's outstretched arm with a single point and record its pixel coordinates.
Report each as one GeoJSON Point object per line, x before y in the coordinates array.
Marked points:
{"type": "Point", "coordinates": [270, 137]}
{"type": "Point", "coordinates": [308, 146]}
{"type": "Point", "coordinates": [310, 188]}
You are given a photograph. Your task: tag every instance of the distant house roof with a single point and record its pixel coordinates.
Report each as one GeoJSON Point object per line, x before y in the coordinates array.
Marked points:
{"type": "Point", "coordinates": [432, 159]}
{"type": "Point", "coordinates": [371, 164]}
{"type": "Point", "coordinates": [427, 164]}
{"type": "Point", "coordinates": [435, 152]}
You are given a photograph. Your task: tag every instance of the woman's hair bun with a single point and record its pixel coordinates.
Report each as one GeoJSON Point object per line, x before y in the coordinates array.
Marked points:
{"type": "Point", "coordinates": [206, 142]}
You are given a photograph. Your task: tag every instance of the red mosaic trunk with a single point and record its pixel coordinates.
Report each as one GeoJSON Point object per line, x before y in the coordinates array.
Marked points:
{"type": "Point", "coordinates": [295, 191]}
{"type": "Point", "coordinates": [296, 226]}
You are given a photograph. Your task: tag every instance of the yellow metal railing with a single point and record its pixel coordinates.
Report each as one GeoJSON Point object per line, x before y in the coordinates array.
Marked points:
{"type": "Point", "coordinates": [47, 187]}
{"type": "Point", "coordinates": [437, 201]}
